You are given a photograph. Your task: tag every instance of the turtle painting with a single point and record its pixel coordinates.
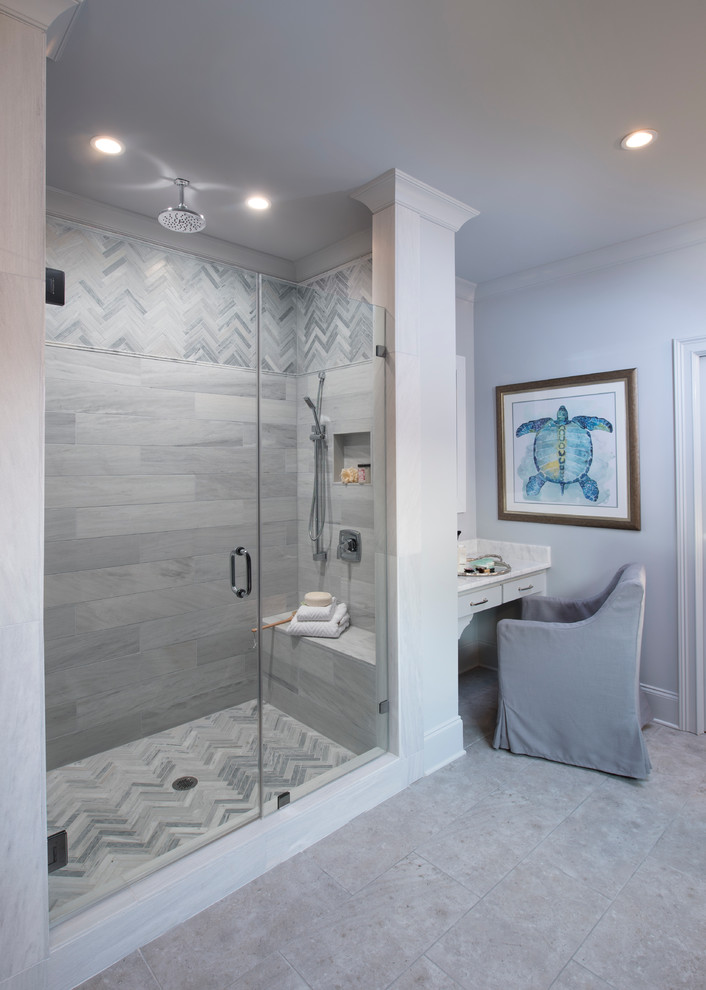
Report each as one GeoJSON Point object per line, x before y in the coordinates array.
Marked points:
{"type": "Point", "coordinates": [563, 451]}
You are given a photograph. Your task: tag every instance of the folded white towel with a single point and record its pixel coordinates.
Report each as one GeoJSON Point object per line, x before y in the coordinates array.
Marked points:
{"type": "Point", "coordinates": [327, 630]}
{"type": "Point", "coordinates": [316, 613]}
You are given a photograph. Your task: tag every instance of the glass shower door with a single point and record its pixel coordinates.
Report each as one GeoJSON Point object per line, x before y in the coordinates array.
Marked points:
{"type": "Point", "coordinates": [322, 530]}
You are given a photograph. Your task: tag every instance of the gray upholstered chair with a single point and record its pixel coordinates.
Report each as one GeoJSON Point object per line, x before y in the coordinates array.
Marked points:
{"type": "Point", "coordinates": [569, 678]}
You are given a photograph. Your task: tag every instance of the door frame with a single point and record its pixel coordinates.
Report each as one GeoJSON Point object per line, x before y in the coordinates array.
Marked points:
{"type": "Point", "coordinates": [688, 438]}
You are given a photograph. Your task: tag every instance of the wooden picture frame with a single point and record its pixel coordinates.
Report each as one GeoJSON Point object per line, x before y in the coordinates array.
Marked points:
{"type": "Point", "coordinates": [568, 450]}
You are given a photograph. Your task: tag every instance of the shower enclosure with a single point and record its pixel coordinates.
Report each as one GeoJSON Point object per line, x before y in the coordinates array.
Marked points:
{"type": "Point", "coordinates": [182, 493]}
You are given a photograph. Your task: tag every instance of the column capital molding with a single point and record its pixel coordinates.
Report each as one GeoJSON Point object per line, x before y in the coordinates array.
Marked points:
{"type": "Point", "coordinates": [38, 13]}
{"type": "Point", "coordinates": [397, 188]}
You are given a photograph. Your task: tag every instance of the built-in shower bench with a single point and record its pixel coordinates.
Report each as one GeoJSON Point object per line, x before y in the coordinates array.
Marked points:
{"type": "Point", "coordinates": [329, 684]}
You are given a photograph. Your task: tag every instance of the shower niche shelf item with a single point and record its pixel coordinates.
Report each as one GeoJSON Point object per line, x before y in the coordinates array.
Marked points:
{"type": "Point", "coordinates": [350, 450]}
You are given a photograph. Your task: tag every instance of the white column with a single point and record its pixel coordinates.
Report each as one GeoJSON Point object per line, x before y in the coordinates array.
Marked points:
{"type": "Point", "coordinates": [414, 280]}
{"type": "Point", "coordinates": [24, 931]}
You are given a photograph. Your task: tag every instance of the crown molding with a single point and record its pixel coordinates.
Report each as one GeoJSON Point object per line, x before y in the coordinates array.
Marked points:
{"type": "Point", "coordinates": [38, 13]}
{"type": "Point", "coordinates": [396, 187]}
{"type": "Point", "coordinates": [334, 256]}
{"type": "Point", "coordinates": [662, 242]}
{"type": "Point", "coordinates": [465, 290]}
{"type": "Point", "coordinates": [65, 206]}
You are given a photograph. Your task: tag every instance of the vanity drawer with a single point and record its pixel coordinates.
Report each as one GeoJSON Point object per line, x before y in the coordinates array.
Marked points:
{"type": "Point", "coordinates": [532, 584]}
{"type": "Point", "coordinates": [470, 602]}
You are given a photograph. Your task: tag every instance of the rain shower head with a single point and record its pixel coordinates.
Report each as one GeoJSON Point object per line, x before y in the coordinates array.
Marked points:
{"type": "Point", "coordinates": [179, 218]}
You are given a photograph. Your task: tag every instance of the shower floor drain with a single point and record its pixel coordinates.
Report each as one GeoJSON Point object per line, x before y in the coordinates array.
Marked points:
{"type": "Point", "coordinates": [185, 783]}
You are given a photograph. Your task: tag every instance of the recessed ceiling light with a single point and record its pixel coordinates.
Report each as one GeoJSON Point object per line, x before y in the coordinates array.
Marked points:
{"type": "Point", "coordinates": [108, 145]}
{"type": "Point", "coordinates": [638, 139]}
{"type": "Point", "coordinates": [258, 202]}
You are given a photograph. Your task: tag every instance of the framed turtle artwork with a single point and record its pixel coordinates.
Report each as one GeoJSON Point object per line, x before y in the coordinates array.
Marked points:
{"type": "Point", "coordinates": [568, 450]}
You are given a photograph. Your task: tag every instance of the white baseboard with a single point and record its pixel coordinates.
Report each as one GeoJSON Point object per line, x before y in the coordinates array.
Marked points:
{"type": "Point", "coordinates": [443, 744]}
{"type": "Point", "coordinates": [664, 705]}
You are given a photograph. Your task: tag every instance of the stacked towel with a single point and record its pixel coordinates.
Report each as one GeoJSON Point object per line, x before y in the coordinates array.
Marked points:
{"type": "Point", "coordinates": [327, 629]}
{"type": "Point", "coordinates": [316, 613]}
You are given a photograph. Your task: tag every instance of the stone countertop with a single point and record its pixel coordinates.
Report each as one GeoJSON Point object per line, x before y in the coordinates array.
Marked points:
{"type": "Point", "coordinates": [523, 558]}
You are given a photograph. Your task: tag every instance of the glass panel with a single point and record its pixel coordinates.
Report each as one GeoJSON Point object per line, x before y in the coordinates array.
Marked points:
{"type": "Point", "coordinates": [322, 530]}
{"type": "Point", "coordinates": [151, 481]}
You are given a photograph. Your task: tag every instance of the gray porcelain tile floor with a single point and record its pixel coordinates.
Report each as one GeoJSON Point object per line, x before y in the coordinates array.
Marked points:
{"type": "Point", "coordinates": [498, 872]}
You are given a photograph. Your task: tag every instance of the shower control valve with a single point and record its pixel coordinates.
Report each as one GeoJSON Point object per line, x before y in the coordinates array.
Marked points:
{"type": "Point", "coordinates": [349, 545]}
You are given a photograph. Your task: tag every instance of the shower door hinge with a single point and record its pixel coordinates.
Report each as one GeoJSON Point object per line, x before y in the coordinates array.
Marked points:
{"type": "Point", "coordinates": [283, 799]}
{"type": "Point", "coordinates": [384, 707]}
{"type": "Point", "coordinates": [58, 850]}
{"type": "Point", "coordinates": [380, 350]}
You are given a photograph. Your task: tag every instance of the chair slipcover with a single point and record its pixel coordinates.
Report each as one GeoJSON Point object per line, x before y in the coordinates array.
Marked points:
{"type": "Point", "coordinates": [569, 678]}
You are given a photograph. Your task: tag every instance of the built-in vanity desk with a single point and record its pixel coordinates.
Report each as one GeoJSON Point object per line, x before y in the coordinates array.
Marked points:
{"type": "Point", "coordinates": [527, 576]}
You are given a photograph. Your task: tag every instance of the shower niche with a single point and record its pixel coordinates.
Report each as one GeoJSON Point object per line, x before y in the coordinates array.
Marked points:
{"type": "Point", "coordinates": [351, 450]}
{"type": "Point", "coordinates": [174, 437]}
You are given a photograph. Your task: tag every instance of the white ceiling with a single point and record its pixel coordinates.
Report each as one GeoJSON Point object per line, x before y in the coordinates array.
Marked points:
{"type": "Point", "coordinates": [515, 107]}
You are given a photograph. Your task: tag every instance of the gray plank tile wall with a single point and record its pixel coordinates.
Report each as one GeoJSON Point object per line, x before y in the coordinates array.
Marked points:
{"type": "Point", "coordinates": [146, 494]}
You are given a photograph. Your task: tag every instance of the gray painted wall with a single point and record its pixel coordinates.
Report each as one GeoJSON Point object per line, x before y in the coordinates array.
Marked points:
{"type": "Point", "coordinates": [619, 317]}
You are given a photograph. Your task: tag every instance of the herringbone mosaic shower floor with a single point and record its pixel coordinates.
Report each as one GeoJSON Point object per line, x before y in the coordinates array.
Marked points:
{"type": "Point", "coordinates": [122, 814]}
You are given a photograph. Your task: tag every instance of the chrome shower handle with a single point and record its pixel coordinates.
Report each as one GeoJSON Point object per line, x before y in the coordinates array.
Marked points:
{"type": "Point", "coordinates": [241, 592]}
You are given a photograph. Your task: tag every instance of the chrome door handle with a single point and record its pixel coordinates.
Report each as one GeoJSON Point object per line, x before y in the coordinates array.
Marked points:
{"type": "Point", "coordinates": [241, 592]}
{"type": "Point", "coordinates": [527, 587]}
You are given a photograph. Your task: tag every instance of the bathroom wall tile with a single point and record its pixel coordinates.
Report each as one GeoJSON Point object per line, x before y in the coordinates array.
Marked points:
{"type": "Point", "coordinates": [196, 542]}
{"type": "Point", "coordinates": [273, 435]}
{"type": "Point", "coordinates": [131, 519]}
{"type": "Point", "coordinates": [105, 644]}
{"type": "Point", "coordinates": [190, 377]}
{"type": "Point", "coordinates": [232, 641]}
{"type": "Point", "coordinates": [278, 509]}
{"type": "Point", "coordinates": [155, 431]}
{"type": "Point", "coordinates": [59, 524]}
{"type": "Point", "coordinates": [79, 555]}
{"type": "Point", "coordinates": [90, 679]}
{"type": "Point", "coordinates": [59, 622]}
{"type": "Point", "coordinates": [207, 622]}
{"type": "Point", "coordinates": [191, 460]}
{"type": "Point", "coordinates": [68, 459]}
{"type": "Point", "coordinates": [104, 399]}
{"type": "Point", "coordinates": [228, 408]}
{"type": "Point", "coordinates": [128, 313]}
{"type": "Point", "coordinates": [59, 719]}
{"type": "Point", "coordinates": [61, 428]}
{"type": "Point", "coordinates": [141, 490]}
{"type": "Point", "coordinates": [105, 735]}
{"type": "Point", "coordinates": [147, 605]}
{"type": "Point", "coordinates": [208, 696]}
{"type": "Point", "coordinates": [239, 484]}
{"type": "Point", "coordinates": [79, 365]}
{"type": "Point", "coordinates": [109, 582]}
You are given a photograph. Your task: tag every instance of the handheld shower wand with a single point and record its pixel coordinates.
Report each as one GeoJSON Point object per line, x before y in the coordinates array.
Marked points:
{"type": "Point", "coordinates": [317, 515]}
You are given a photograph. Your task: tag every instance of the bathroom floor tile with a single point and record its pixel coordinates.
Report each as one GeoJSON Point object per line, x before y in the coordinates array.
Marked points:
{"type": "Point", "coordinates": [381, 930]}
{"type": "Point", "coordinates": [652, 937]}
{"type": "Point", "coordinates": [229, 939]}
{"type": "Point", "coordinates": [522, 934]}
{"type": "Point", "coordinates": [131, 973]}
